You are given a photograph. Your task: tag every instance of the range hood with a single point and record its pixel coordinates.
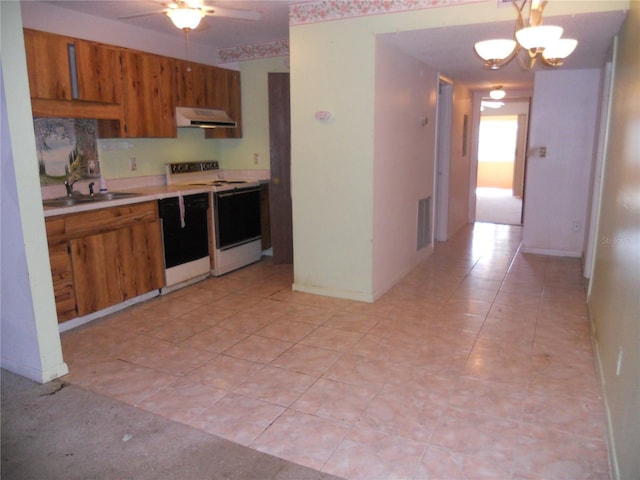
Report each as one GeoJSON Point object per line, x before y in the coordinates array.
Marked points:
{"type": "Point", "coordinates": [203, 118]}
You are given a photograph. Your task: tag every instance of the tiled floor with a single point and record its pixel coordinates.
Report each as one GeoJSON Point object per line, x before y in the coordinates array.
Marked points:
{"type": "Point", "coordinates": [477, 365]}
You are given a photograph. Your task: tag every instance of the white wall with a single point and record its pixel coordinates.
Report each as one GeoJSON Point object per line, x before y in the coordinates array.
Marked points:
{"type": "Point", "coordinates": [614, 304]}
{"type": "Point", "coordinates": [563, 119]}
{"type": "Point", "coordinates": [30, 340]}
{"type": "Point", "coordinates": [404, 153]}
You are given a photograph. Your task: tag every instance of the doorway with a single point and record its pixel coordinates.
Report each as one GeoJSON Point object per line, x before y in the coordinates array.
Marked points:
{"type": "Point", "coordinates": [500, 175]}
{"type": "Point", "coordinates": [280, 208]}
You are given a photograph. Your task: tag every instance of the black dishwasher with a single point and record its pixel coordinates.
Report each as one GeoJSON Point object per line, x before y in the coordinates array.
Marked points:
{"type": "Point", "coordinates": [184, 228]}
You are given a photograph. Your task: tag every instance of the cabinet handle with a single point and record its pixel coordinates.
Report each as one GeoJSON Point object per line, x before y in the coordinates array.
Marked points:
{"type": "Point", "coordinates": [73, 70]}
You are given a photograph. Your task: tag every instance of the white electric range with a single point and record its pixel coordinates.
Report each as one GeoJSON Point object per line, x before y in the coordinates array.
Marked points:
{"type": "Point", "coordinates": [235, 213]}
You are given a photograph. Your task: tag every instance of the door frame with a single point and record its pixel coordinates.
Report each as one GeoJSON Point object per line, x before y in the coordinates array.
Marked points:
{"type": "Point", "coordinates": [442, 165]}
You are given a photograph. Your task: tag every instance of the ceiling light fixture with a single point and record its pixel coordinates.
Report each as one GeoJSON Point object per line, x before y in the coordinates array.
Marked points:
{"type": "Point", "coordinates": [497, 93]}
{"type": "Point", "coordinates": [185, 17]}
{"type": "Point", "coordinates": [542, 42]}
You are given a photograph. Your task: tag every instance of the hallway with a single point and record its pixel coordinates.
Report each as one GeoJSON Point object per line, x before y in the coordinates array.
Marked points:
{"type": "Point", "coordinates": [478, 364]}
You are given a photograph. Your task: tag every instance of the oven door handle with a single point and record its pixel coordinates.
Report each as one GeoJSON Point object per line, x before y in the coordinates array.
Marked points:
{"type": "Point", "coordinates": [237, 191]}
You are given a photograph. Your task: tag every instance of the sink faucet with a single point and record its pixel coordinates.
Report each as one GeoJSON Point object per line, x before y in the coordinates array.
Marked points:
{"type": "Point", "coordinates": [68, 184]}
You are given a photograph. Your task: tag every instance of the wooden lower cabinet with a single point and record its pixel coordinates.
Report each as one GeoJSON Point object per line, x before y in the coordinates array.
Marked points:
{"type": "Point", "coordinates": [63, 282]}
{"type": "Point", "coordinates": [110, 268]}
{"type": "Point", "coordinates": [112, 255]}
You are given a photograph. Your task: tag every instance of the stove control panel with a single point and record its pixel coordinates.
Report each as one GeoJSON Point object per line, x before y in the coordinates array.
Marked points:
{"type": "Point", "coordinates": [189, 167]}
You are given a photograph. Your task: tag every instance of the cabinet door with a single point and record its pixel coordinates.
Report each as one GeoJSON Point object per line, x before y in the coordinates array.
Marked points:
{"type": "Point", "coordinates": [190, 84]}
{"type": "Point", "coordinates": [62, 282]}
{"type": "Point", "coordinates": [231, 95]}
{"type": "Point", "coordinates": [110, 268]}
{"type": "Point", "coordinates": [48, 65]}
{"type": "Point", "coordinates": [216, 88]}
{"type": "Point", "coordinates": [99, 75]}
{"type": "Point", "coordinates": [149, 105]}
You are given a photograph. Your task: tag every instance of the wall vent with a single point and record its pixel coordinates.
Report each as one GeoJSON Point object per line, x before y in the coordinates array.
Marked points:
{"type": "Point", "coordinates": [424, 222]}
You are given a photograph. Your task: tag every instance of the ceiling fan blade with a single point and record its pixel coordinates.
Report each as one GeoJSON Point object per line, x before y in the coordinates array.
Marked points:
{"type": "Point", "coordinates": [232, 13]}
{"type": "Point", "coordinates": [144, 14]}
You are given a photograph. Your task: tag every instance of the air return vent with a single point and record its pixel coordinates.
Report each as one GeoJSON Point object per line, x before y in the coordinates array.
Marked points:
{"type": "Point", "coordinates": [424, 222]}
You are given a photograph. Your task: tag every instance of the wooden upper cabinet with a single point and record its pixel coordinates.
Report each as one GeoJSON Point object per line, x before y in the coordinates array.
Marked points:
{"type": "Point", "coordinates": [230, 94]}
{"type": "Point", "coordinates": [199, 85]}
{"type": "Point", "coordinates": [48, 65]}
{"type": "Point", "coordinates": [133, 93]}
{"type": "Point", "coordinates": [99, 72]}
{"type": "Point", "coordinates": [190, 84]}
{"type": "Point", "coordinates": [149, 102]}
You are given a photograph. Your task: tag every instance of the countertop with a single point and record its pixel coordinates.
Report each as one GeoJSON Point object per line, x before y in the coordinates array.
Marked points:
{"type": "Point", "coordinates": [145, 194]}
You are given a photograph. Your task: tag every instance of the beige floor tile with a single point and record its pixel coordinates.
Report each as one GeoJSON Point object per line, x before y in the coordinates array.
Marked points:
{"type": "Point", "coordinates": [258, 349]}
{"type": "Point", "coordinates": [331, 339]}
{"type": "Point", "coordinates": [286, 329]}
{"type": "Point", "coordinates": [182, 400]}
{"type": "Point", "coordinates": [224, 372]}
{"type": "Point", "coordinates": [309, 360]}
{"type": "Point", "coordinates": [302, 438]}
{"type": "Point", "coordinates": [547, 453]}
{"type": "Point", "coordinates": [275, 385]}
{"type": "Point", "coordinates": [335, 400]}
{"type": "Point", "coordinates": [477, 435]}
{"type": "Point", "coordinates": [477, 364]}
{"type": "Point", "coordinates": [367, 454]}
{"type": "Point", "coordinates": [237, 418]}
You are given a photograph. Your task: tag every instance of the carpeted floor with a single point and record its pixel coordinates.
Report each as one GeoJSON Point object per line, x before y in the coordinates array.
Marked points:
{"type": "Point", "coordinates": [59, 431]}
{"type": "Point", "coordinates": [497, 205]}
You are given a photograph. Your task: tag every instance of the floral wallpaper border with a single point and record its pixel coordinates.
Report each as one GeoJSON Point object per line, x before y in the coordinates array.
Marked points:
{"type": "Point", "coordinates": [324, 11]}
{"type": "Point", "coordinates": [327, 10]}
{"type": "Point", "coordinates": [279, 48]}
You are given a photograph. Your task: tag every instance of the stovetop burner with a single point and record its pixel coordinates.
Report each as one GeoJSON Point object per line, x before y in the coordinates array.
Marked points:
{"type": "Point", "coordinates": [218, 183]}
{"type": "Point", "coordinates": [203, 174]}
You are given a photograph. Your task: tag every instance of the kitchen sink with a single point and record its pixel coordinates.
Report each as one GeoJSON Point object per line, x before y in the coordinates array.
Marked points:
{"type": "Point", "coordinates": [83, 199]}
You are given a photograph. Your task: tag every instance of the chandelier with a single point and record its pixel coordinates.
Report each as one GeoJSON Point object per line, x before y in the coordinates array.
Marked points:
{"type": "Point", "coordinates": [541, 42]}
{"type": "Point", "coordinates": [185, 16]}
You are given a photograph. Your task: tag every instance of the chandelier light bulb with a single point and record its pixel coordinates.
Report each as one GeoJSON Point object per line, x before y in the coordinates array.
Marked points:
{"type": "Point", "coordinates": [498, 49]}
{"type": "Point", "coordinates": [560, 49]}
{"type": "Point", "coordinates": [497, 93]}
{"type": "Point", "coordinates": [538, 38]}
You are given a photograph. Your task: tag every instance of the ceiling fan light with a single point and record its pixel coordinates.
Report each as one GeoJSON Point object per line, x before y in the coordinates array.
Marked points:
{"type": "Point", "coordinates": [495, 50]}
{"type": "Point", "coordinates": [560, 49]}
{"type": "Point", "coordinates": [185, 17]}
{"type": "Point", "coordinates": [539, 37]}
{"type": "Point", "coordinates": [497, 93]}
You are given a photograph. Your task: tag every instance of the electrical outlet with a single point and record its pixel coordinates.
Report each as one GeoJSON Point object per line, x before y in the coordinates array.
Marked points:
{"type": "Point", "coordinates": [256, 158]}
{"type": "Point", "coordinates": [576, 226]}
{"type": "Point", "coordinates": [133, 166]}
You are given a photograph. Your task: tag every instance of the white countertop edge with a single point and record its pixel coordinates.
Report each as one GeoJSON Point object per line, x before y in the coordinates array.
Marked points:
{"type": "Point", "coordinates": [146, 194]}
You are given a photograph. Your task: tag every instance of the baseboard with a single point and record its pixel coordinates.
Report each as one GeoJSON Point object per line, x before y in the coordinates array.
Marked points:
{"type": "Point", "coordinates": [76, 322]}
{"type": "Point", "coordinates": [329, 292]}
{"type": "Point", "coordinates": [551, 252]}
{"type": "Point", "coordinates": [613, 462]}
{"type": "Point", "coordinates": [40, 376]}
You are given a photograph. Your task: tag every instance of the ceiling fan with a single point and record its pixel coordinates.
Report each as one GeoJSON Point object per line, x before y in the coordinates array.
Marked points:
{"type": "Point", "coordinates": [187, 14]}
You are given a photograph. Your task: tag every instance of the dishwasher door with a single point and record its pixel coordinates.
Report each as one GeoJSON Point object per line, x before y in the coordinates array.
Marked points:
{"type": "Point", "coordinates": [185, 229]}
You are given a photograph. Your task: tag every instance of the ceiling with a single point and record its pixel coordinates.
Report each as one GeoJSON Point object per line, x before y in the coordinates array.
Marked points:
{"type": "Point", "coordinates": [449, 49]}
